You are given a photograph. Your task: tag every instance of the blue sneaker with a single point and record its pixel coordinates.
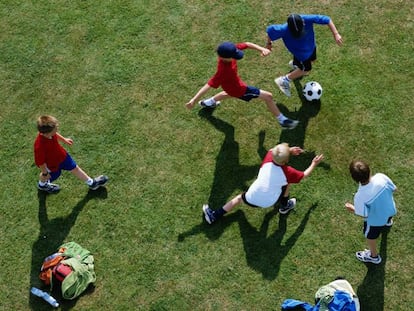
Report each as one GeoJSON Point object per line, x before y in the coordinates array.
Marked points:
{"type": "Point", "coordinates": [208, 214]}
{"type": "Point", "coordinates": [290, 205]}
{"type": "Point", "coordinates": [289, 124]}
{"type": "Point", "coordinates": [99, 182]}
{"type": "Point", "coordinates": [49, 188]}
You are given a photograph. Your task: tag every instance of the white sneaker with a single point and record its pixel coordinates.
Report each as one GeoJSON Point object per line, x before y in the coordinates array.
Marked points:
{"type": "Point", "coordinates": [365, 256]}
{"type": "Point", "coordinates": [283, 85]}
{"type": "Point", "coordinates": [203, 104]}
{"type": "Point", "coordinates": [291, 65]}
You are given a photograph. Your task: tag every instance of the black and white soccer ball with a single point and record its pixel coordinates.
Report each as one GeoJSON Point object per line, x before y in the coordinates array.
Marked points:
{"type": "Point", "coordinates": [312, 91]}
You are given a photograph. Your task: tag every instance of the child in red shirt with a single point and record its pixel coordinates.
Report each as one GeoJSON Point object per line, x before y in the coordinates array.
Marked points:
{"type": "Point", "coordinates": [227, 77]}
{"type": "Point", "coordinates": [52, 158]}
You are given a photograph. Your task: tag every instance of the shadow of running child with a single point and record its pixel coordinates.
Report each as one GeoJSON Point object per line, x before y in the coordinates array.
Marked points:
{"type": "Point", "coordinates": [52, 234]}
{"type": "Point", "coordinates": [229, 174]}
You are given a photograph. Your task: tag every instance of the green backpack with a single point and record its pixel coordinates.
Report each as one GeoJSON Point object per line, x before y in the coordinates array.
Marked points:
{"type": "Point", "coordinates": [80, 262]}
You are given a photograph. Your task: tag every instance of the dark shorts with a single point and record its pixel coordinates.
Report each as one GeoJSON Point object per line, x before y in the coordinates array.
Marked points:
{"type": "Point", "coordinates": [68, 164]}
{"type": "Point", "coordinates": [251, 92]}
{"type": "Point", "coordinates": [245, 201]}
{"type": "Point", "coordinates": [252, 205]}
{"type": "Point", "coordinates": [373, 232]}
{"type": "Point", "coordinates": [307, 64]}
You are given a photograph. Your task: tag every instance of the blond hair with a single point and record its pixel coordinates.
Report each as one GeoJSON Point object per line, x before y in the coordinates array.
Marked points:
{"type": "Point", "coordinates": [46, 124]}
{"type": "Point", "coordinates": [281, 153]}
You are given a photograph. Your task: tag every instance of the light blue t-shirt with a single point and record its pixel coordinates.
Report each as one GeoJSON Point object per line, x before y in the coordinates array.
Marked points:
{"type": "Point", "coordinates": [303, 47]}
{"type": "Point", "coordinates": [374, 201]}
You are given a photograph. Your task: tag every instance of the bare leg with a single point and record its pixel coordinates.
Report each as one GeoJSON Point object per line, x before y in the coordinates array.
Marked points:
{"type": "Point", "coordinates": [372, 245]}
{"type": "Point", "coordinates": [220, 96]}
{"type": "Point", "coordinates": [296, 74]}
{"type": "Point", "coordinates": [78, 172]}
{"type": "Point", "coordinates": [267, 97]}
{"type": "Point", "coordinates": [232, 203]}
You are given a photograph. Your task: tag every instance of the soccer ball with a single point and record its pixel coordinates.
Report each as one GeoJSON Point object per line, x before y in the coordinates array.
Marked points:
{"type": "Point", "coordinates": [312, 91]}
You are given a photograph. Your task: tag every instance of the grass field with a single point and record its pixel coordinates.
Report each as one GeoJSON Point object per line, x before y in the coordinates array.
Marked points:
{"type": "Point", "coordinates": [117, 75]}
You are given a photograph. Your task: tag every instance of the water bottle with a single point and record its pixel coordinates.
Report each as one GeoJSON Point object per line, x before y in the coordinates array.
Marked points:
{"type": "Point", "coordinates": [45, 296]}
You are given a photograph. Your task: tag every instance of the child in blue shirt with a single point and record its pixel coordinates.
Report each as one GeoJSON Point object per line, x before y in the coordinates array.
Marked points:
{"type": "Point", "coordinates": [299, 38]}
{"type": "Point", "coordinates": [374, 202]}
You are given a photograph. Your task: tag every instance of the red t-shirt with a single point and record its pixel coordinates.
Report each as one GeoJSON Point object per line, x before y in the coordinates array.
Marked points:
{"type": "Point", "coordinates": [226, 76]}
{"type": "Point", "coordinates": [48, 151]}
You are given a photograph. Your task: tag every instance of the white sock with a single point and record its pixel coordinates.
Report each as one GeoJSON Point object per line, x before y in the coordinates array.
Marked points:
{"type": "Point", "coordinates": [281, 117]}
{"type": "Point", "coordinates": [43, 183]}
{"type": "Point", "coordinates": [286, 78]}
{"type": "Point", "coordinates": [210, 101]}
{"type": "Point", "coordinates": [89, 182]}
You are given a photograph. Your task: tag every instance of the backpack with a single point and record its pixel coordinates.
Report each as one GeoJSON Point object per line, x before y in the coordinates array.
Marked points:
{"type": "Point", "coordinates": [72, 266]}
{"type": "Point", "coordinates": [49, 263]}
{"type": "Point", "coordinates": [335, 296]}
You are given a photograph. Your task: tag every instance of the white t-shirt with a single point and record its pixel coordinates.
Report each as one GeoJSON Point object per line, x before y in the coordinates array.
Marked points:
{"type": "Point", "coordinates": [266, 189]}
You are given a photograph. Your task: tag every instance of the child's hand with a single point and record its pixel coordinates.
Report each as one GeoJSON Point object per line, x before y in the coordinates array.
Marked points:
{"type": "Point", "coordinates": [190, 105]}
{"type": "Point", "coordinates": [68, 141]}
{"type": "Point", "coordinates": [265, 52]}
{"type": "Point", "coordinates": [349, 207]}
{"type": "Point", "coordinates": [318, 159]}
{"type": "Point", "coordinates": [295, 150]}
{"type": "Point", "coordinates": [338, 39]}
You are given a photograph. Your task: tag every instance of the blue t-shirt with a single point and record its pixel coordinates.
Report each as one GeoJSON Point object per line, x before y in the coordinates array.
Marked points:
{"type": "Point", "coordinates": [374, 201]}
{"type": "Point", "coordinates": [303, 47]}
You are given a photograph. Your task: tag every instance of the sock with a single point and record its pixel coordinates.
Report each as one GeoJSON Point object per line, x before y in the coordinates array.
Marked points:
{"type": "Point", "coordinates": [281, 117]}
{"type": "Point", "coordinates": [43, 183]}
{"type": "Point", "coordinates": [284, 201]}
{"type": "Point", "coordinates": [89, 182]}
{"type": "Point", "coordinates": [219, 212]}
{"type": "Point", "coordinates": [210, 101]}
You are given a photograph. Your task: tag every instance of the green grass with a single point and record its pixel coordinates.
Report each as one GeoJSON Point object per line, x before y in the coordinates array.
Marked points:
{"type": "Point", "coordinates": [117, 75]}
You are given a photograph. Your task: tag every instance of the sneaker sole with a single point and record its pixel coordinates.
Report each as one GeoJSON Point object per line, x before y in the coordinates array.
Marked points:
{"type": "Point", "coordinates": [210, 107]}
{"type": "Point", "coordinates": [99, 186]}
{"type": "Point", "coordinates": [49, 191]}
{"type": "Point", "coordinates": [205, 207]}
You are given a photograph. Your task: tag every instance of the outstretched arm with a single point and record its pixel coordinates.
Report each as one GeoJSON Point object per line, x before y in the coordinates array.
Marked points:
{"type": "Point", "coordinates": [67, 141]}
{"type": "Point", "coordinates": [337, 36]}
{"type": "Point", "coordinates": [200, 93]}
{"type": "Point", "coordinates": [263, 51]}
{"type": "Point", "coordinates": [316, 160]}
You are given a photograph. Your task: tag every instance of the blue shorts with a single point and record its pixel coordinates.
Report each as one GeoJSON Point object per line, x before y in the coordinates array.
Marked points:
{"type": "Point", "coordinates": [68, 164]}
{"type": "Point", "coordinates": [251, 92]}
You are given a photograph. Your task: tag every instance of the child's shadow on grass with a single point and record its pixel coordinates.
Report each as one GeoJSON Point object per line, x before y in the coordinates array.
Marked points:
{"type": "Point", "coordinates": [296, 137]}
{"type": "Point", "coordinates": [52, 234]}
{"type": "Point", "coordinates": [307, 110]}
{"type": "Point", "coordinates": [265, 253]}
{"type": "Point", "coordinates": [371, 291]}
{"type": "Point", "coordinates": [229, 174]}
